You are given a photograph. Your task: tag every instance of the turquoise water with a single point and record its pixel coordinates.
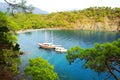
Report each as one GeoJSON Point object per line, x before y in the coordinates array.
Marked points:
{"type": "Point", "coordinates": [67, 38]}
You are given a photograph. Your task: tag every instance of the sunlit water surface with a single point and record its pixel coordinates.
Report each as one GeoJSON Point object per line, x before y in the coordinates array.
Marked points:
{"type": "Point", "coordinates": [67, 38]}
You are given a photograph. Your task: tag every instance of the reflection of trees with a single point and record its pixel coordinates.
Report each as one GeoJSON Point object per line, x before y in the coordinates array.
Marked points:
{"type": "Point", "coordinates": [88, 36]}
{"type": "Point", "coordinates": [95, 36]}
{"type": "Point", "coordinates": [28, 33]}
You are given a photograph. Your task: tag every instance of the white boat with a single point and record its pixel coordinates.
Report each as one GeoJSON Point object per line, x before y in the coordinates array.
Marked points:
{"type": "Point", "coordinates": [46, 45]}
{"type": "Point", "coordinates": [60, 49]}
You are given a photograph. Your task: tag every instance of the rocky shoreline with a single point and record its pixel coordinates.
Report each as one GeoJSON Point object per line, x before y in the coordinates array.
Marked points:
{"type": "Point", "coordinates": [29, 30]}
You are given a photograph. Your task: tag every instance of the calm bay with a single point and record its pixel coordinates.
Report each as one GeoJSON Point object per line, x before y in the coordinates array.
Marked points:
{"type": "Point", "coordinates": [67, 38]}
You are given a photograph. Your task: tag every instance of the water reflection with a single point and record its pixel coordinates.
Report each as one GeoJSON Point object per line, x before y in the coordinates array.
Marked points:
{"type": "Point", "coordinates": [66, 38]}
{"type": "Point", "coordinates": [87, 37]}
{"type": "Point", "coordinates": [28, 33]}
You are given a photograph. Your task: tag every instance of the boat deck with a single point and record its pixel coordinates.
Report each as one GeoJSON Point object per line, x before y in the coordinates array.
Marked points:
{"type": "Point", "coordinates": [57, 48]}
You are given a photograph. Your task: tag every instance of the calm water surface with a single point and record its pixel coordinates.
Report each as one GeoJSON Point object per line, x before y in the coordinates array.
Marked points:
{"type": "Point", "coordinates": [67, 38]}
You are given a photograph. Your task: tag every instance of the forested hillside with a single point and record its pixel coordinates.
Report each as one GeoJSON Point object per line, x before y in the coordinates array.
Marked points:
{"type": "Point", "coordinates": [93, 18]}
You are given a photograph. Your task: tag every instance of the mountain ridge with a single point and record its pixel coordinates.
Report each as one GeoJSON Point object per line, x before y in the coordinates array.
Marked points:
{"type": "Point", "coordinates": [4, 6]}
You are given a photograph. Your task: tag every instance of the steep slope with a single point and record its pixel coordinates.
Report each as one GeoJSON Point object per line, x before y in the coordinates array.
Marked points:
{"type": "Point", "coordinates": [94, 18]}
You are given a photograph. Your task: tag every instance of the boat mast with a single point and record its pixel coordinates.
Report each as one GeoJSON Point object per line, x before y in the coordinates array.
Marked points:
{"type": "Point", "coordinates": [45, 36]}
{"type": "Point", "coordinates": [52, 36]}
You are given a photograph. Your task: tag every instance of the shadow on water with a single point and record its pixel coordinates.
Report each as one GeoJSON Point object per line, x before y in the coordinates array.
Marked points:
{"type": "Point", "coordinates": [28, 33]}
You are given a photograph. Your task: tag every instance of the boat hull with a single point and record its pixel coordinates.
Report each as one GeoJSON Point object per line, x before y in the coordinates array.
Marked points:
{"type": "Point", "coordinates": [46, 46]}
{"type": "Point", "coordinates": [60, 49]}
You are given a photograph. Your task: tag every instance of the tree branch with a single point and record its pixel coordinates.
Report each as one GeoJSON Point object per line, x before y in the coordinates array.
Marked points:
{"type": "Point", "coordinates": [115, 69]}
{"type": "Point", "coordinates": [110, 70]}
{"type": "Point", "coordinates": [13, 4]}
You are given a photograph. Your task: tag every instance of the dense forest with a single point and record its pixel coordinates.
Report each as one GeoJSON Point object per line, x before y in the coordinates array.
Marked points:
{"type": "Point", "coordinates": [93, 18]}
{"type": "Point", "coordinates": [9, 50]}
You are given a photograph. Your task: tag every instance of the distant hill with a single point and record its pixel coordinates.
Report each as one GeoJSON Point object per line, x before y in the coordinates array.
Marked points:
{"type": "Point", "coordinates": [39, 11]}
{"type": "Point", "coordinates": [4, 6]}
